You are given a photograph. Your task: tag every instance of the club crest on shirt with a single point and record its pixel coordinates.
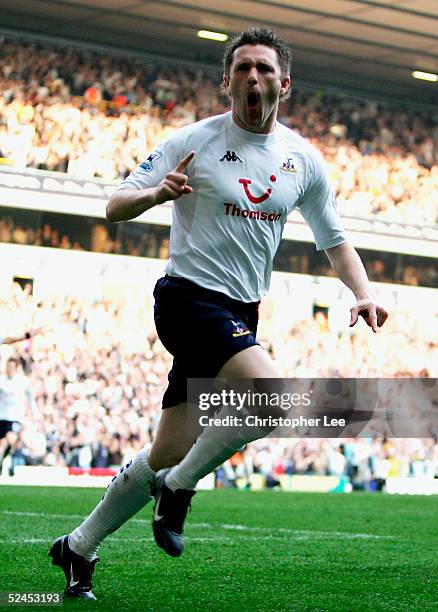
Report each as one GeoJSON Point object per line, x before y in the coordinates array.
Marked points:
{"type": "Point", "coordinates": [148, 165]}
{"type": "Point", "coordinates": [288, 165]}
{"type": "Point", "coordinates": [239, 329]}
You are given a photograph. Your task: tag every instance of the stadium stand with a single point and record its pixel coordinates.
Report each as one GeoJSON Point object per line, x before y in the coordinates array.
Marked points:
{"type": "Point", "coordinates": [96, 116]}
{"type": "Point", "coordinates": [98, 383]}
{"type": "Point", "coordinates": [38, 228]}
{"type": "Point", "coordinates": [98, 386]}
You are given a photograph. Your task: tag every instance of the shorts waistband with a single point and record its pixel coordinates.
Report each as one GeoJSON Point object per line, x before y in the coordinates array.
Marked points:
{"type": "Point", "coordinates": [184, 282]}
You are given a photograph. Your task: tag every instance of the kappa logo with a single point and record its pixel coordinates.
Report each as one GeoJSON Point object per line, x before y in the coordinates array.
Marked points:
{"type": "Point", "coordinates": [288, 166]}
{"type": "Point", "coordinates": [148, 165]}
{"type": "Point", "coordinates": [231, 156]}
{"type": "Point", "coordinates": [257, 199]}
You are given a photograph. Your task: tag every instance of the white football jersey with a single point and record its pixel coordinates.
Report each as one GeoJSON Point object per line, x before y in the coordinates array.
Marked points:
{"type": "Point", "coordinates": [13, 394]}
{"type": "Point", "coordinates": [225, 234]}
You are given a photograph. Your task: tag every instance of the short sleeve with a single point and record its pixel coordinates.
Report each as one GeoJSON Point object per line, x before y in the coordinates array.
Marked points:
{"type": "Point", "coordinates": [319, 208]}
{"type": "Point", "coordinates": [155, 167]}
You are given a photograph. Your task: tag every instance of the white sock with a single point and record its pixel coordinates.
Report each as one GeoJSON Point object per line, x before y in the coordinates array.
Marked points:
{"type": "Point", "coordinates": [126, 494]}
{"type": "Point", "coordinates": [214, 446]}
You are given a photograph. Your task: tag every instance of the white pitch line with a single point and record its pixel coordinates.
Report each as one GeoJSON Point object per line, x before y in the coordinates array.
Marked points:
{"type": "Point", "coordinates": [25, 541]}
{"type": "Point", "coordinates": [307, 532]}
{"type": "Point", "coordinates": [271, 533]}
{"type": "Point", "coordinates": [216, 539]}
{"type": "Point", "coordinates": [49, 515]}
{"type": "Point", "coordinates": [81, 517]}
{"type": "Point", "coordinates": [189, 540]}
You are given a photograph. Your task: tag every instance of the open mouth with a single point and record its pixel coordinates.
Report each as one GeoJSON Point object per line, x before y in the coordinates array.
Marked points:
{"type": "Point", "coordinates": [252, 100]}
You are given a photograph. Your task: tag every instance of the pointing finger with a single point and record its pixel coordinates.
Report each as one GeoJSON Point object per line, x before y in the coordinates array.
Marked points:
{"type": "Point", "coordinates": [185, 162]}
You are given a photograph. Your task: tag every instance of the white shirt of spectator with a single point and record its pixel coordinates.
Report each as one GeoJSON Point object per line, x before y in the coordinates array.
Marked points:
{"type": "Point", "coordinates": [225, 234]}
{"type": "Point", "coordinates": [13, 394]}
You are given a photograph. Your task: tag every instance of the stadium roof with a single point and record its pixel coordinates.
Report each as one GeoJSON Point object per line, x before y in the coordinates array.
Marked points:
{"type": "Point", "coordinates": [360, 45]}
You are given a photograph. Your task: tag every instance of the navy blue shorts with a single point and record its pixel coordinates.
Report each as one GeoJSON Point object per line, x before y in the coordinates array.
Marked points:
{"type": "Point", "coordinates": [7, 426]}
{"type": "Point", "coordinates": [202, 329]}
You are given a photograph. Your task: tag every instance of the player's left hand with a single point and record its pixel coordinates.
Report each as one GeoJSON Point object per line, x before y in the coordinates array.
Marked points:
{"type": "Point", "coordinates": [373, 314]}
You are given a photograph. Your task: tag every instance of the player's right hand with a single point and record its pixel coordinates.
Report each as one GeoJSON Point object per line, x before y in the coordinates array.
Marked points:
{"type": "Point", "coordinates": [174, 184]}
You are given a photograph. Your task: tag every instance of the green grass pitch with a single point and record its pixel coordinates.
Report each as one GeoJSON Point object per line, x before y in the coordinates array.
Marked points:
{"type": "Point", "coordinates": [244, 551]}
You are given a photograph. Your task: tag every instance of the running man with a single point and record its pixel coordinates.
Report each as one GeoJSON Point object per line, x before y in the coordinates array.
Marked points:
{"type": "Point", "coordinates": [234, 179]}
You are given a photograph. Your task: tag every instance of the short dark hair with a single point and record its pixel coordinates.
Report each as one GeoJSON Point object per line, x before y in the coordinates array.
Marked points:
{"type": "Point", "coordinates": [260, 35]}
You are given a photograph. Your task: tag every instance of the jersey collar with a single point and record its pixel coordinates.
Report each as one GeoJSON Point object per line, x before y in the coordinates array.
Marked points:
{"type": "Point", "coordinates": [261, 139]}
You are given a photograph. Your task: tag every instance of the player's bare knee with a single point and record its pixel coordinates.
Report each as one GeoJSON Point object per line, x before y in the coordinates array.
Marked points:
{"type": "Point", "coordinates": [166, 458]}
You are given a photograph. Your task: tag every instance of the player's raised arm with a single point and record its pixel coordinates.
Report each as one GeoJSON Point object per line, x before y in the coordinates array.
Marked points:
{"type": "Point", "coordinates": [126, 204]}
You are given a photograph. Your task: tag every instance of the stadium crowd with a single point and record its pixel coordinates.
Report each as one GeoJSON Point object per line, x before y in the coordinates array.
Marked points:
{"type": "Point", "coordinates": [98, 116]}
{"type": "Point", "coordinates": [98, 384]}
